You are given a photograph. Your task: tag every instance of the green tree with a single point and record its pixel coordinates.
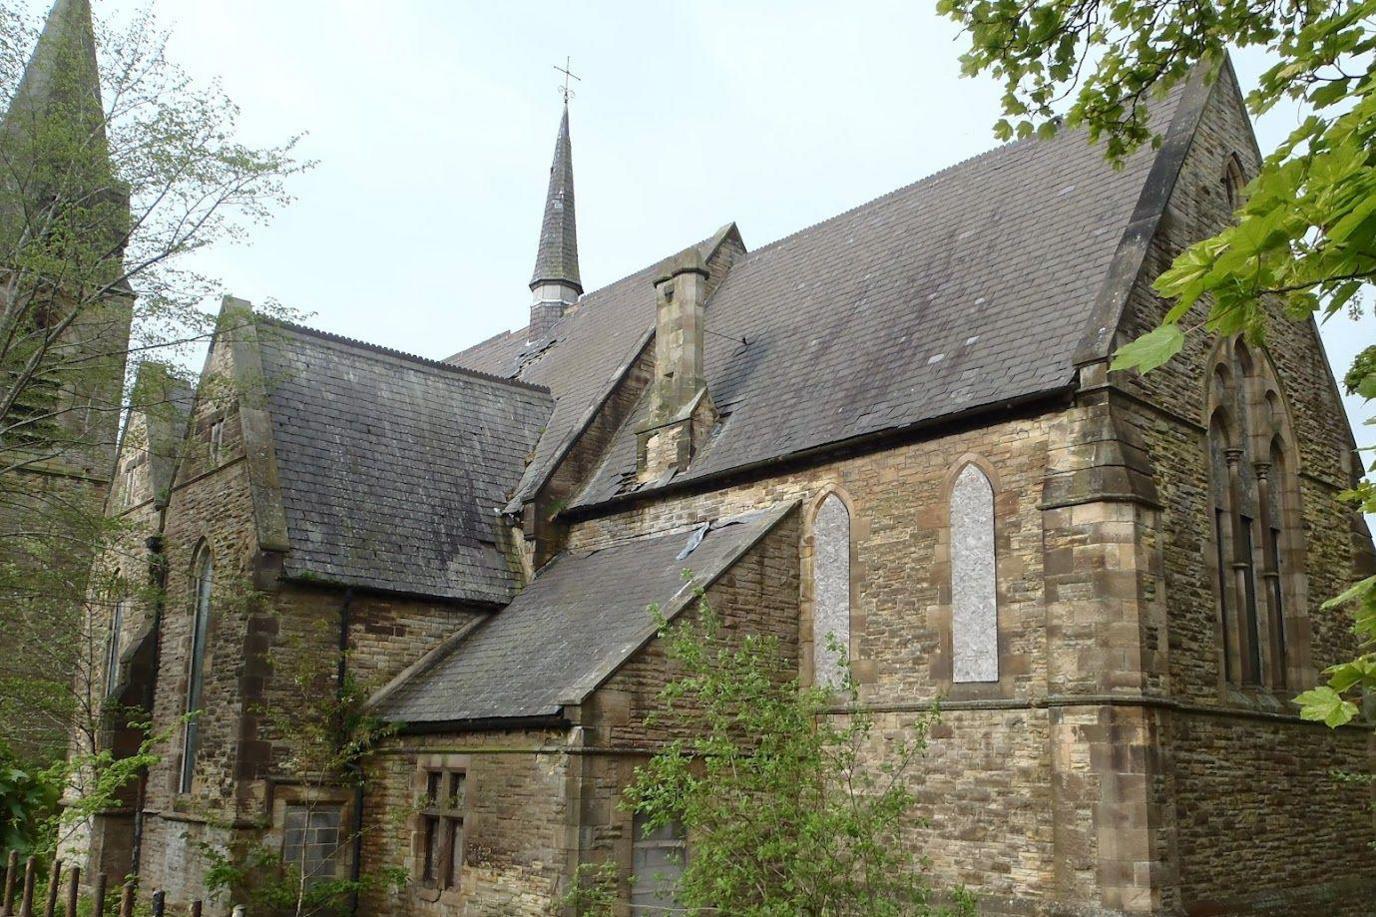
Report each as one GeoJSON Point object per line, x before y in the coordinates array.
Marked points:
{"type": "Point", "coordinates": [26, 800]}
{"type": "Point", "coordinates": [1304, 239]}
{"type": "Point", "coordinates": [115, 166]}
{"type": "Point", "coordinates": [785, 810]}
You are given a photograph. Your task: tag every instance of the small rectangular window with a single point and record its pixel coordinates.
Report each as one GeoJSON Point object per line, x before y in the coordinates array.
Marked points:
{"type": "Point", "coordinates": [310, 841]}
{"type": "Point", "coordinates": [127, 486]}
{"type": "Point", "coordinates": [441, 828]}
{"type": "Point", "coordinates": [658, 858]}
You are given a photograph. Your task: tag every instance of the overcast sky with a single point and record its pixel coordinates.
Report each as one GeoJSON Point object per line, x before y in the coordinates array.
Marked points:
{"type": "Point", "coordinates": [434, 121]}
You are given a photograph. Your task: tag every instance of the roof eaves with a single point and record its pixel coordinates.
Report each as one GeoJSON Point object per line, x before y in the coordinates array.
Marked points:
{"type": "Point", "coordinates": [306, 577]}
{"type": "Point", "coordinates": [582, 508]}
{"type": "Point", "coordinates": [554, 720]}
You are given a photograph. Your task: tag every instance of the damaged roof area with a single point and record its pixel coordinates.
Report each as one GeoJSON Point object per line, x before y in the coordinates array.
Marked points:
{"type": "Point", "coordinates": [581, 618]}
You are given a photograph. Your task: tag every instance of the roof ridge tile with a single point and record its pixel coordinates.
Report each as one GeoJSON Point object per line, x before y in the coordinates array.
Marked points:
{"type": "Point", "coordinates": [429, 362]}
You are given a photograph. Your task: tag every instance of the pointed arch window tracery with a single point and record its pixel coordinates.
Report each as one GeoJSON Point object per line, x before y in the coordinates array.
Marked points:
{"type": "Point", "coordinates": [1255, 518]}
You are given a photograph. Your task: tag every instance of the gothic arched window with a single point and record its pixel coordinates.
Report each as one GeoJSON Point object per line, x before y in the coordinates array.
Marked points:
{"type": "Point", "coordinates": [830, 590]}
{"type": "Point", "coordinates": [1233, 182]}
{"type": "Point", "coordinates": [974, 579]}
{"type": "Point", "coordinates": [1255, 509]}
{"type": "Point", "coordinates": [113, 648]}
{"type": "Point", "coordinates": [203, 581]}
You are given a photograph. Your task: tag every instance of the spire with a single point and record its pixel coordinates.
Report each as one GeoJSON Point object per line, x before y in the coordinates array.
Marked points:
{"type": "Point", "coordinates": [52, 139]}
{"type": "Point", "coordinates": [556, 262]}
{"type": "Point", "coordinates": [62, 77]}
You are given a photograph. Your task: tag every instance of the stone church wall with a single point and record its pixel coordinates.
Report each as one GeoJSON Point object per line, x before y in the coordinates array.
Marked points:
{"type": "Point", "coordinates": [530, 792]}
{"type": "Point", "coordinates": [517, 823]}
{"type": "Point", "coordinates": [1258, 814]}
{"type": "Point", "coordinates": [985, 782]}
{"type": "Point", "coordinates": [210, 505]}
{"type": "Point", "coordinates": [263, 636]}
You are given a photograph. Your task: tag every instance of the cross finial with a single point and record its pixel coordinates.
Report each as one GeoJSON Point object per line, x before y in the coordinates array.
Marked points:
{"type": "Point", "coordinates": [568, 74]}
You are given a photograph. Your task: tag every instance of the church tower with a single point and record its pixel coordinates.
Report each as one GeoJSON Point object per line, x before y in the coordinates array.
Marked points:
{"type": "Point", "coordinates": [555, 284]}
{"type": "Point", "coordinates": [64, 218]}
{"type": "Point", "coordinates": [65, 311]}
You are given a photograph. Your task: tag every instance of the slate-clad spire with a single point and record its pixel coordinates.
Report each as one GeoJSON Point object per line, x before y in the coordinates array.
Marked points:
{"type": "Point", "coordinates": [53, 137]}
{"type": "Point", "coordinates": [61, 78]}
{"type": "Point", "coordinates": [555, 282]}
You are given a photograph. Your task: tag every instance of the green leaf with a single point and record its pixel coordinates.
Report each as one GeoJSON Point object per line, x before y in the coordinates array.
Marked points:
{"type": "Point", "coordinates": [1347, 675]}
{"type": "Point", "coordinates": [1324, 705]}
{"type": "Point", "coordinates": [1150, 350]}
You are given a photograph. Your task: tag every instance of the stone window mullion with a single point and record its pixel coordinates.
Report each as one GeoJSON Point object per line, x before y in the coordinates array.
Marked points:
{"type": "Point", "coordinates": [1242, 565]}
{"type": "Point", "coordinates": [439, 846]}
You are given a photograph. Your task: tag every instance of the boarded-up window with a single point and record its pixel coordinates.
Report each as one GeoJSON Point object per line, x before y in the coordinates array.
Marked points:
{"type": "Point", "coordinates": [310, 841]}
{"type": "Point", "coordinates": [656, 866]}
{"type": "Point", "coordinates": [974, 584]}
{"type": "Point", "coordinates": [830, 590]}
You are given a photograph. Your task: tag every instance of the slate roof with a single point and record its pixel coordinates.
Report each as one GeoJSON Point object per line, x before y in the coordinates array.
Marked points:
{"type": "Point", "coordinates": [578, 620]}
{"type": "Point", "coordinates": [392, 467]}
{"type": "Point", "coordinates": [579, 360]}
{"type": "Point", "coordinates": [557, 256]}
{"type": "Point", "coordinates": [968, 289]}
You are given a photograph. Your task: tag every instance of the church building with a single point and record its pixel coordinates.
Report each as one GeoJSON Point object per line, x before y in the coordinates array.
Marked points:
{"type": "Point", "coordinates": [896, 427]}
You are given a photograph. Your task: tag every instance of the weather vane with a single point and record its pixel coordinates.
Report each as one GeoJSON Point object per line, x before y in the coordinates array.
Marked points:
{"type": "Point", "coordinates": [568, 74]}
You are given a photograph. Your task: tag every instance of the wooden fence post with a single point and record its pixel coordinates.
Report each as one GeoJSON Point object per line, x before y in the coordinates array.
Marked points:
{"type": "Point", "coordinates": [54, 881]}
{"type": "Point", "coordinates": [11, 881]}
{"type": "Point", "coordinates": [126, 901]}
{"type": "Point", "coordinates": [73, 892]}
{"type": "Point", "coordinates": [11, 884]}
{"type": "Point", "coordinates": [159, 903]}
{"type": "Point", "coordinates": [30, 874]}
{"type": "Point", "coordinates": [98, 905]}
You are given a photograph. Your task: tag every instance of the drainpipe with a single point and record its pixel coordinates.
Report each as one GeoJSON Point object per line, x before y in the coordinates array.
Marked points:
{"type": "Point", "coordinates": [354, 771]}
{"type": "Point", "coordinates": [157, 574]}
